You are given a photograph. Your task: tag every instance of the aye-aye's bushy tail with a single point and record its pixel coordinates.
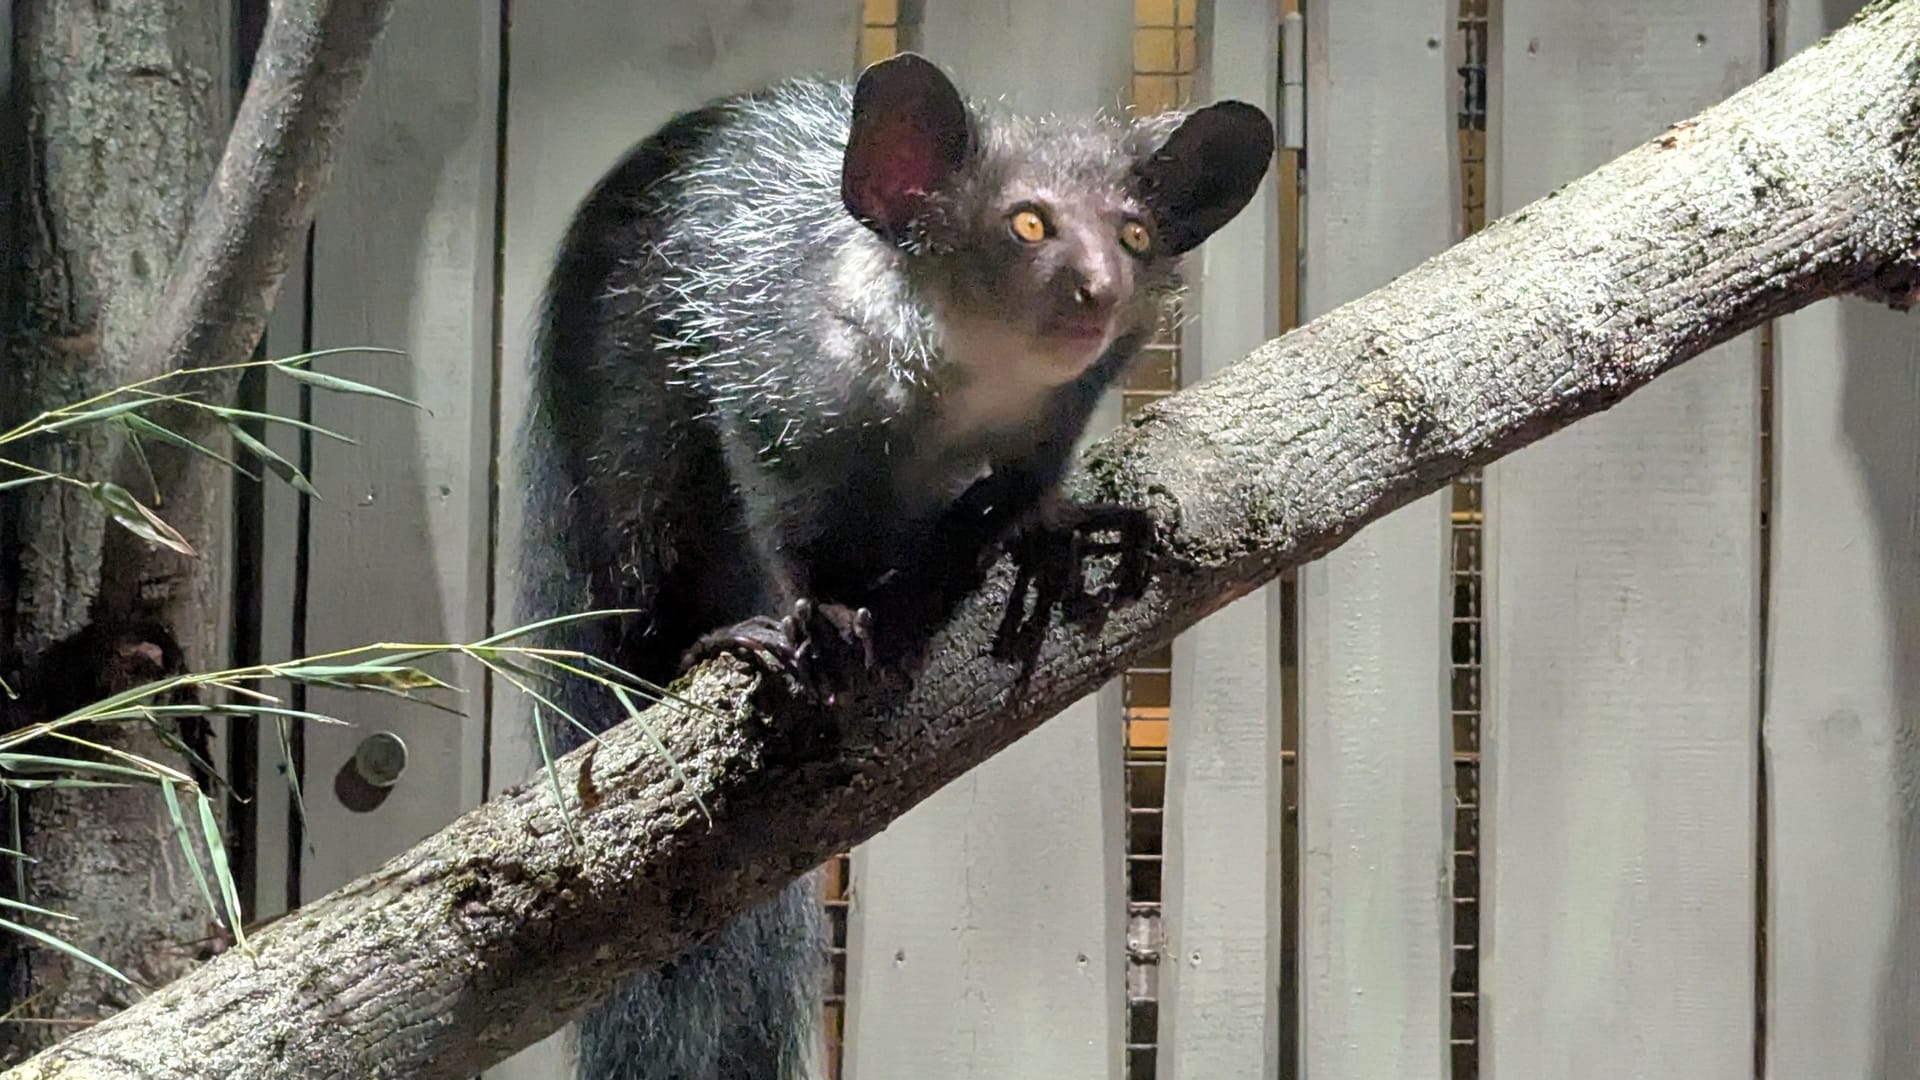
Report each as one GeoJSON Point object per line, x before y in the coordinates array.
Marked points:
{"type": "Point", "coordinates": [745, 1004]}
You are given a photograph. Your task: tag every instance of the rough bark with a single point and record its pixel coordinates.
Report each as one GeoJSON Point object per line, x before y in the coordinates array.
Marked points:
{"type": "Point", "coordinates": [118, 113]}
{"type": "Point", "coordinates": [500, 929]}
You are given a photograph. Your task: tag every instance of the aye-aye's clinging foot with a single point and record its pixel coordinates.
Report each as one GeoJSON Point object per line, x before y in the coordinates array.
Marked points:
{"type": "Point", "coordinates": [822, 646]}
{"type": "Point", "coordinates": [1050, 556]}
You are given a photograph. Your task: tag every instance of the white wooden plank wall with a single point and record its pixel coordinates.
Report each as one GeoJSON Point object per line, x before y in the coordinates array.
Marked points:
{"type": "Point", "coordinates": [589, 79]}
{"type": "Point", "coordinates": [403, 253]}
{"type": "Point", "coordinates": [1844, 698]}
{"type": "Point", "coordinates": [1376, 776]}
{"type": "Point", "coordinates": [1220, 970]}
{"type": "Point", "coordinates": [1622, 644]}
{"type": "Point", "coordinates": [1843, 691]}
{"type": "Point", "coordinates": [987, 925]}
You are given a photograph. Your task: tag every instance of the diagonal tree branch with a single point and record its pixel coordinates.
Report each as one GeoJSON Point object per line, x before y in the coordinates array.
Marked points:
{"type": "Point", "coordinates": [309, 69]}
{"type": "Point", "coordinates": [499, 929]}
{"type": "Point", "coordinates": [311, 66]}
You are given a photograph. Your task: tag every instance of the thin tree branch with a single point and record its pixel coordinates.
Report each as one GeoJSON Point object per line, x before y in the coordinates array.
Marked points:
{"type": "Point", "coordinates": [499, 929]}
{"type": "Point", "coordinates": [311, 67]}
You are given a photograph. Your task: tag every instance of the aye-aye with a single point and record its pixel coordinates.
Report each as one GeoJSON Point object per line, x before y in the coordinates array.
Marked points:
{"type": "Point", "coordinates": [808, 355]}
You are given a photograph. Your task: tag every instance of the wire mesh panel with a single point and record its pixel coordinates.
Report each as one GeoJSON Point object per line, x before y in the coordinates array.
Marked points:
{"type": "Point", "coordinates": [836, 890]}
{"type": "Point", "coordinates": [1146, 794]}
{"type": "Point", "coordinates": [1164, 44]}
{"type": "Point", "coordinates": [1375, 817]}
{"type": "Point", "coordinates": [1466, 682]}
{"type": "Point", "coordinates": [1163, 67]}
{"type": "Point", "coordinates": [1622, 634]}
{"type": "Point", "coordinates": [881, 29]}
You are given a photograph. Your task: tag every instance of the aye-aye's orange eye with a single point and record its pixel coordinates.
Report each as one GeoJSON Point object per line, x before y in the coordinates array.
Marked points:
{"type": "Point", "coordinates": [1135, 238]}
{"type": "Point", "coordinates": [1028, 226]}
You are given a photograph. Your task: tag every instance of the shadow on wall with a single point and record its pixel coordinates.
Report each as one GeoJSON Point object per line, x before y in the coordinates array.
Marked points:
{"type": "Point", "coordinates": [1879, 393]}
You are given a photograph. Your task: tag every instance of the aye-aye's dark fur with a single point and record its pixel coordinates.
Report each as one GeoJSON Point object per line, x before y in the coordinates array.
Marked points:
{"type": "Point", "coordinates": [782, 338]}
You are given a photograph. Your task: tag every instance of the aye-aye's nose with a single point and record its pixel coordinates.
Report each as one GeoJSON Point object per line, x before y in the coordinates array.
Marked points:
{"type": "Point", "coordinates": [1096, 287]}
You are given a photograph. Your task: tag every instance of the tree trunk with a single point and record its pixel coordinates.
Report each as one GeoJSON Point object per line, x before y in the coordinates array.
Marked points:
{"type": "Point", "coordinates": [500, 929]}
{"type": "Point", "coordinates": [113, 129]}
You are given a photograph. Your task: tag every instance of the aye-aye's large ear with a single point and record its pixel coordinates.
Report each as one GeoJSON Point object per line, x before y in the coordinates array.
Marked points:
{"type": "Point", "coordinates": [1205, 172]}
{"type": "Point", "coordinates": [910, 134]}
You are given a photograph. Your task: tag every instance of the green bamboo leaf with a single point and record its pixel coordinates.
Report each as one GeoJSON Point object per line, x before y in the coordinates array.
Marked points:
{"type": "Point", "coordinates": [230, 681]}
{"type": "Point", "coordinates": [370, 676]}
{"type": "Point", "coordinates": [660, 747]}
{"type": "Point", "coordinates": [94, 416]}
{"type": "Point", "coordinates": [62, 783]}
{"type": "Point", "coordinates": [505, 636]}
{"type": "Point", "coordinates": [142, 765]}
{"type": "Point", "coordinates": [285, 731]}
{"type": "Point", "coordinates": [250, 710]}
{"type": "Point", "coordinates": [55, 943]}
{"type": "Point", "coordinates": [408, 657]}
{"type": "Point", "coordinates": [281, 467]}
{"type": "Point", "coordinates": [18, 906]}
{"type": "Point", "coordinates": [140, 425]}
{"type": "Point", "coordinates": [228, 413]}
{"type": "Point", "coordinates": [341, 350]}
{"type": "Point", "coordinates": [411, 698]}
{"type": "Point", "coordinates": [217, 851]}
{"type": "Point", "coordinates": [23, 481]}
{"type": "Point", "coordinates": [186, 843]}
{"type": "Point", "coordinates": [651, 691]}
{"type": "Point", "coordinates": [553, 775]}
{"type": "Point", "coordinates": [507, 676]}
{"type": "Point", "coordinates": [657, 694]}
{"type": "Point", "coordinates": [128, 702]}
{"type": "Point", "coordinates": [137, 519]}
{"type": "Point", "coordinates": [340, 385]}
{"type": "Point", "coordinates": [38, 763]}
{"type": "Point", "coordinates": [19, 843]}
{"type": "Point", "coordinates": [146, 467]}
{"type": "Point", "coordinates": [173, 741]}
{"type": "Point", "coordinates": [618, 676]}
{"type": "Point", "coordinates": [522, 670]}
{"type": "Point", "coordinates": [404, 695]}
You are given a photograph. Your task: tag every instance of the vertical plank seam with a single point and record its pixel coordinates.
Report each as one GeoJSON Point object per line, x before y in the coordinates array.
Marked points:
{"type": "Point", "coordinates": [302, 564]}
{"type": "Point", "coordinates": [496, 436]}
